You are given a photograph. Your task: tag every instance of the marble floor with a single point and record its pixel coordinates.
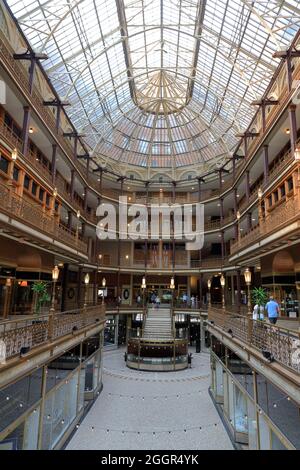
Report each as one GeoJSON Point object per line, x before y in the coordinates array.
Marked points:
{"type": "Point", "coordinates": [152, 411]}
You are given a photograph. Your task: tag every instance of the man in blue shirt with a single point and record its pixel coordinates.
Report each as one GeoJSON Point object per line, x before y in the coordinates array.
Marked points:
{"type": "Point", "coordinates": [272, 308]}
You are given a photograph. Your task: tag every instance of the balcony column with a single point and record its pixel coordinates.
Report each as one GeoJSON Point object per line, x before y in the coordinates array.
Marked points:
{"type": "Point", "coordinates": [222, 210]}
{"type": "Point", "coordinates": [200, 290]}
{"type": "Point", "coordinates": [147, 234]}
{"type": "Point", "coordinates": [70, 219]}
{"type": "Point", "coordinates": [53, 163]}
{"type": "Point", "coordinates": [64, 286]}
{"type": "Point", "coordinates": [83, 229]}
{"type": "Point", "coordinates": [245, 146]}
{"type": "Point", "coordinates": [79, 280]}
{"type": "Point", "coordinates": [235, 208]}
{"type": "Point", "coordinates": [223, 245]}
{"type": "Point", "coordinates": [249, 221]}
{"type": "Point", "coordinates": [119, 246]}
{"type": "Point", "coordinates": [233, 168]}
{"type": "Point", "coordinates": [247, 185]}
{"type": "Point", "coordinates": [72, 184]}
{"type": "Point", "coordinates": [85, 199]}
{"type": "Point", "coordinates": [232, 290]}
{"type": "Point", "coordinates": [293, 126]}
{"type": "Point", "coordinates": [173, 221]}
{"type": "Point", "coordinates": [25, 129]}
{"type": "Point", "coordinates": [100, 185]}
{"type": "Point", "coordinates": [95, 287]}
{"type": "Point", "coordinates": [238, 288]}
{"type": "Point", "coordinates": [266, 164]}
{"type": "Point", "coordinates": [75, 148]}
{"type": "Point", "coordinates": [199, 189]}
{"type": "Point", "coordinates": [263, 116]}
{"type": "Point", "coordinates": [220, 180]}
{"type": "Point", "coordinates": [87, 166]}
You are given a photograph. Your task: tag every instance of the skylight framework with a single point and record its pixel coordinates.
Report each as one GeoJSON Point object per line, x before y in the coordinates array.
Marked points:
{"type": "Point", "coordinates": [159, 83]}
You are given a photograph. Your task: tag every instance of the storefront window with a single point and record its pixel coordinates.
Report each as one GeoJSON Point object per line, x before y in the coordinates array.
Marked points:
{"type": "Point", "coordinates": [110, 331]}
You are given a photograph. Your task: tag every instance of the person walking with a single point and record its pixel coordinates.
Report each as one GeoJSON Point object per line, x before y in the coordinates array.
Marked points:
{"type": "Point", "coordinates": [272, 309]}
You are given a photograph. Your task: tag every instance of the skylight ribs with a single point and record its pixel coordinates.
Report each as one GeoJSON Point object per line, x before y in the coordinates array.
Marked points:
{"type": "Point", "coordinates": [211, 57]}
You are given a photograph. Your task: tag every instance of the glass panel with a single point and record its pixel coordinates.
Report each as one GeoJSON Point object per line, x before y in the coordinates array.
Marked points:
{"type": "Point", "coordinates": [240, 411]}
{"type": "Point", "coordinates": [252, 425]}
{"type": "Point", "coordinates": [283, 412]}
{"type": "Point", "coordinates": [18, 397]}
{"type": "Point", "coordinates": [60, 411]}
{"type": "Point", "coordinates": [31, 431]}
{"type": "Point", "coordinates": [264, 434]}
{"type": "Point", "coordinates": [89, 375]}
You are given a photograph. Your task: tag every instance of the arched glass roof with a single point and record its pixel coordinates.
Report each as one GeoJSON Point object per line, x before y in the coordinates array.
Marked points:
{"type": "Point", "coordinates": [159, 83]}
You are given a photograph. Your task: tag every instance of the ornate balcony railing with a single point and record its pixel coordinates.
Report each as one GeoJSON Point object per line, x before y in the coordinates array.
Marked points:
{"type": "Point", "coordinates": [280, 216]}
{"type": "Point", "coordinates": [261, 335]}
{"type": "Point", "coordinates": [34, 331]}
{"type": "Point", "coordinates": [33, 215]}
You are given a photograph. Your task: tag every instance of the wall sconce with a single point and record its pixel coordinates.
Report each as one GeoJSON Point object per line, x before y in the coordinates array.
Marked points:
{"type": "Point", "coordinates": [14, 154]}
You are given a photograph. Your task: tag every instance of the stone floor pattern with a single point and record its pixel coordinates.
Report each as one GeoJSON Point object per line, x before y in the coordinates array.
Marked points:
{"type": "Point", "coordinates": [152, 411]}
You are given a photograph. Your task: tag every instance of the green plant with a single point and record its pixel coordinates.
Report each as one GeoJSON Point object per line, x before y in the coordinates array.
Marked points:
{"type": "Point", "coordinates": [40, 288]}
{"type": "Point", "coordinates": [259, 296]}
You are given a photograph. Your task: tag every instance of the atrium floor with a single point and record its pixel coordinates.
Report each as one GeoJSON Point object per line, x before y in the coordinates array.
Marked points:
{"type": "Point", "coordinates": [155, 411]}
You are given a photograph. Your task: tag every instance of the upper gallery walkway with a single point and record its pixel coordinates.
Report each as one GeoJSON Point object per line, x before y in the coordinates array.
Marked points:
{"type": "Point", "coordinates": [145, 410]}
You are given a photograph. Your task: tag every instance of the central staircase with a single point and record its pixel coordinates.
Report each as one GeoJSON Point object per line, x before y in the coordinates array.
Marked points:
{"type": "Point", "coordinates": [158, 324]}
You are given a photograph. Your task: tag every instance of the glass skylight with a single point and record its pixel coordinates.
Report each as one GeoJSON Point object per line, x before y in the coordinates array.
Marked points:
{"type": "Point", "coordinates": [159, 83]}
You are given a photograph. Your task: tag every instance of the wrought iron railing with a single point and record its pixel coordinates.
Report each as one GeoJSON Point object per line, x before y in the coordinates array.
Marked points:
{"type": "Point", "coordinates": [281, 343]}
{"type": "Point", "coordinates": [36, 330]}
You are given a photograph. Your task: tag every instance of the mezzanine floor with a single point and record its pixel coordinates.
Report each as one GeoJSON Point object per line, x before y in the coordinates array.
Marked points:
{"type": "Point", "coordinates": [144, 410]}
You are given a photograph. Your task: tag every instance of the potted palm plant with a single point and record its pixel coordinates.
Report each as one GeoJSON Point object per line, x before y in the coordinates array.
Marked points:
{"type": "Point", "coordinates": [259, 298]}
{"type": "Point", "coordinates": [40, 288]}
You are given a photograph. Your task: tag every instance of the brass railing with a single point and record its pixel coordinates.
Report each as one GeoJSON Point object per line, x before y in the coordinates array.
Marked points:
{"type": "Point", "coordinates": [37, 330]}
{"type": "Point", "coordinates": [33, 215]}
{"type": "Point", "coordinates": [261, 335]}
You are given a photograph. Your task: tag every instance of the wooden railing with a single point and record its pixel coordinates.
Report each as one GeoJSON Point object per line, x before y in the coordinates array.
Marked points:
{"type": "Point", "coordinates": [261, 335]}
{"type": "Point", "coordinates": [34, 331]}
{"type": "Point", "coordinates": [34, 216]}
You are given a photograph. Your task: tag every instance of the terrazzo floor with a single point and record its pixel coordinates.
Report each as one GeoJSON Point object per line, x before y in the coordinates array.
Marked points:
{"type": "Point", "coordinates": [152, 411]}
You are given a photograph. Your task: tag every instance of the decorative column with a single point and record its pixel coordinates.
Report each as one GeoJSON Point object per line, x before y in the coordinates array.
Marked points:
{"type": "Point", "coordinates": [95, 287]}
{"type": "Point", "coordinates": [72, 184]}
{"type": "Point", "coordinates": [79, 280]}
{"type": "Point", "coordinates": [53, 163]}
{"type": "Point", "coordinates": [64, 286]}
{"type": "Point", "coordinates": [235, 208]}
{"type": "Point", "coordinates": [146, 239]}
{"type": "Point", "coordinates": [293, 126]}
{"type": "Point", "coordinates": [247, 185]}
{"type": "Point", "coordinates": [173, 219]}
{"type": "Point", "coordinates": [85, 199]}
{"type": "Point", "coordinates": [119, 246]}
{"type": "Point", "coordinates": [200, 290]}
{"type": "Point", "coordinates": [249, 221]}
{"type": "Point", "coordinates": [238, 288]}
{"type": "Point", "coordinates": [25, 129]}
{"type": "Point", "coordinates": [266, 164]}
